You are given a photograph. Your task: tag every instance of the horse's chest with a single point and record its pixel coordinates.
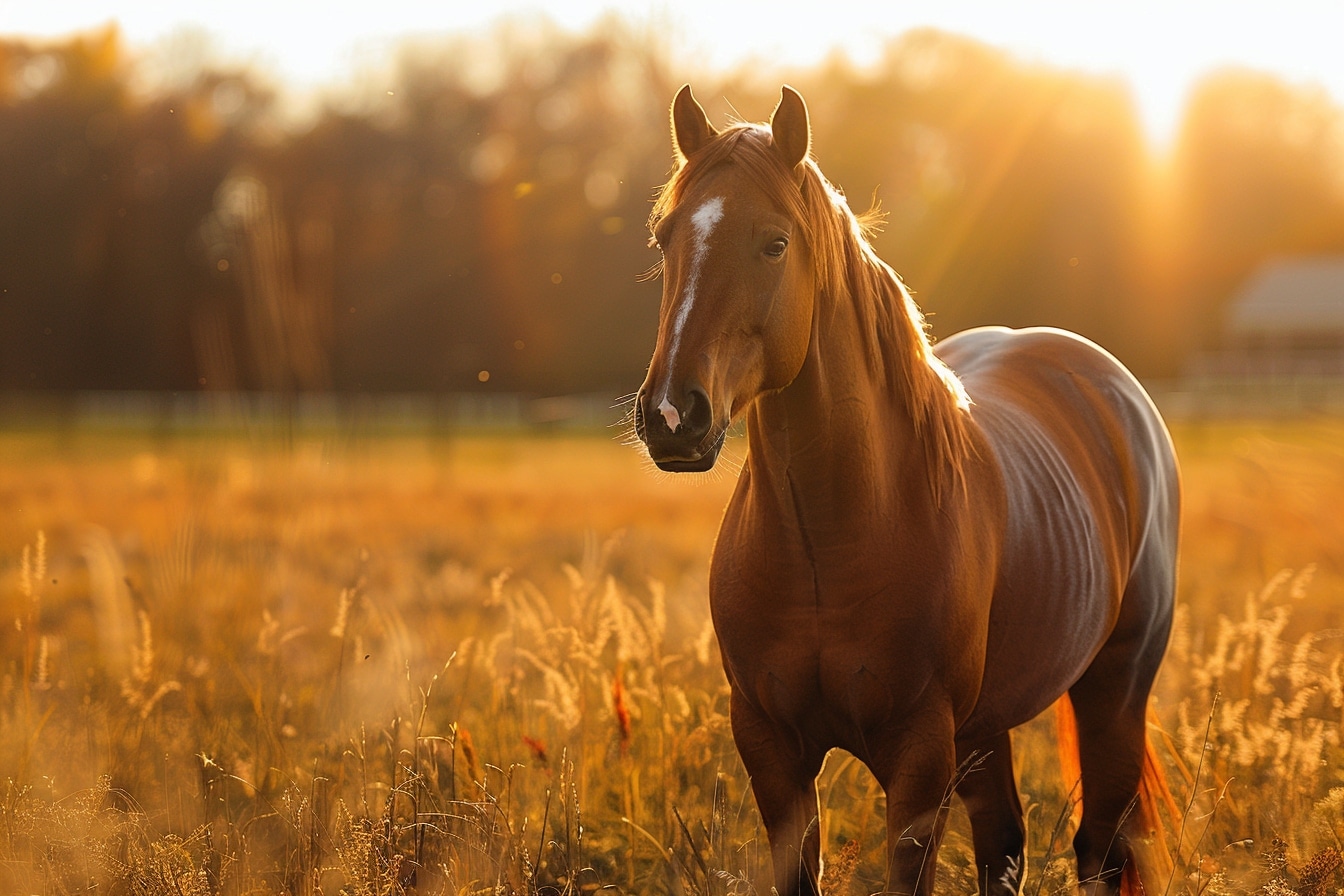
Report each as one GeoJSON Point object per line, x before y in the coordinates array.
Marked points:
{"type": "Point", "coordinates": [820, 654]}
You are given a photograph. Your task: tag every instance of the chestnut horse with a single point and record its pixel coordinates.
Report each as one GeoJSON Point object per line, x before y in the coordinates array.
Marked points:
{"type": "Point", "coordinates": [914, 560]}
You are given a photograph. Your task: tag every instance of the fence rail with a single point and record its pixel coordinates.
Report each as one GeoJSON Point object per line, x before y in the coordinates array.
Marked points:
{"type": "Point", "coordinates": [408, 413]}
{"type": "Point", "coordinates": [1202, 397]}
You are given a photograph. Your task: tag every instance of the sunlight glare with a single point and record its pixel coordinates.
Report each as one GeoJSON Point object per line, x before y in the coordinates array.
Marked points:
{"type": "Point", "coordinates": [1161, 49]}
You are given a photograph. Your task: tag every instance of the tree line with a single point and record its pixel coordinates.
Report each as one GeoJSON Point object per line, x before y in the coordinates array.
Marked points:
{"type": "Point", "coordinates": [479, 223]}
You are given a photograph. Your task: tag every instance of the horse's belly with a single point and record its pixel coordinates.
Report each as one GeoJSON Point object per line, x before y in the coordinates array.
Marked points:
{"type": "Point", "coordinates": [1052, 611]}
{"type": "Point", "coordinates": [1063, 565]}
{"type": "Point", "coordinates": [1028, 665]}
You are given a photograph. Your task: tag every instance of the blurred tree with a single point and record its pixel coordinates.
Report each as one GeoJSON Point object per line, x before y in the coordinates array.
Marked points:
{"type": "Point", "coordinates": [478, 221]}
{"type": "Point", "coordinates": [491, 228]}
{"type": "Point", "coordinates": [100, 267]}
{"type": "Point", "coordinates": [62, 170]}
{"type": "Point", "coordinates": [1258, 172]}
{"type": "Point", "coordinates": [1012, 192]}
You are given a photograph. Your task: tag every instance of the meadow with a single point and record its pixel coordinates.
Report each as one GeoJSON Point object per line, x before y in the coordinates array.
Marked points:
{"type": "Point", "coordinates": [351, 662]}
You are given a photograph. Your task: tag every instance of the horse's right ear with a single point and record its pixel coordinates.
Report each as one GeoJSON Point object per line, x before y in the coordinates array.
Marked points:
{"type": "Point", "coordinates": [690, 126]}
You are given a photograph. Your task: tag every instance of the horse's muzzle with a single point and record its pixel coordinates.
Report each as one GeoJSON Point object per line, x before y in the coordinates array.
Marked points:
{"type": "Point", "coordinates": [689, 447]}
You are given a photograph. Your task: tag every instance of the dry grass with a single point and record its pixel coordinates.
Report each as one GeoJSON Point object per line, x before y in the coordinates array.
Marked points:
{"type": "Point", "coordinates": [376, 665]}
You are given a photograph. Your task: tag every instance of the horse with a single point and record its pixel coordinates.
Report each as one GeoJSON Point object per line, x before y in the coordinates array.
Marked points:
{"type": "Point", "coordinates": [925, 547]}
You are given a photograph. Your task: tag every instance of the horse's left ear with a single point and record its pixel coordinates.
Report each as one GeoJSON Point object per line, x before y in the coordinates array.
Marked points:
{"type": "Point", "coordinates": [789, 125]}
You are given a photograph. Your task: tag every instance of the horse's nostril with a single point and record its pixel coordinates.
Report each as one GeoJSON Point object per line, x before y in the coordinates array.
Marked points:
{"type": "Point", "coordinates": [698, 416]}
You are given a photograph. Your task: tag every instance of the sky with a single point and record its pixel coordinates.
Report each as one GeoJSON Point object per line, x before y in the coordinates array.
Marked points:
{"type": "Point", "coordinates": [1160, 48]}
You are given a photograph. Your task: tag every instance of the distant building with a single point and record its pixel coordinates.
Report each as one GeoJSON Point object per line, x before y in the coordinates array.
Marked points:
{"type": "Point", "coordinates": [1283, 341]}
{"type": "Point", "coordinates": [1288, 318]}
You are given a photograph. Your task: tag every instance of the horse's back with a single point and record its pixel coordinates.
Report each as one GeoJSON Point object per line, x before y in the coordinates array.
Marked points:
{"type": "Point", "coordinates": [1090, 484]}
{"type": "Point", "coordinates": [1071, 386]}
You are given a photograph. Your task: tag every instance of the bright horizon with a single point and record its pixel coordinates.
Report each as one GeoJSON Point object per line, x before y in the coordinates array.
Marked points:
{"type": "Point", "coordinates": [1160, 49]}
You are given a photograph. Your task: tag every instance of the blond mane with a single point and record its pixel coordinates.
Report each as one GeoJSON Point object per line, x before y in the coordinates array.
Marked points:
{"type": "Point", "coordinates": [894, 331]}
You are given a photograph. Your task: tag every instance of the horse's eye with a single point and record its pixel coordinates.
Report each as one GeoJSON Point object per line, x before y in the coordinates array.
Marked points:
{"type": "Point", "coordinates": [776, 247]}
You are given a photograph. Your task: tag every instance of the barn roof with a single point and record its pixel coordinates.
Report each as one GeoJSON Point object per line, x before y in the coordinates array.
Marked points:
{"type": "Point", "coordinates": [1291, 295]}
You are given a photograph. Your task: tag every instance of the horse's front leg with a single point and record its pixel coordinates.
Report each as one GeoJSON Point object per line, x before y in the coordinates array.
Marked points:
{"type": "Point", "coordinates": [916, 764]}
{"type": "Point", "coordinates": [783, 775]}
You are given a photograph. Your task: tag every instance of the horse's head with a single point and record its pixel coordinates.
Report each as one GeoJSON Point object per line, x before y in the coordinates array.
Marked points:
{"type": "Point", "coordinates": [738, 284]}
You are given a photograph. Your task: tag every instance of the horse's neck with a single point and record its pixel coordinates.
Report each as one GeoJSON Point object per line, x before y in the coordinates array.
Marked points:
{"type": "Point", "coordinates": [835, 446]}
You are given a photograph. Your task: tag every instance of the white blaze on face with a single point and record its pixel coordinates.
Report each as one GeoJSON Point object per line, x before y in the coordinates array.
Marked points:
{"type": "Point", "coordinates": [703, 220]}
{"type": "Point", "coordinates": [669, 412]}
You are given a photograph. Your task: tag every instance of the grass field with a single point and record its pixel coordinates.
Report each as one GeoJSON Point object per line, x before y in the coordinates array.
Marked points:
{"type": "Point", "coordinates": [333, 663]}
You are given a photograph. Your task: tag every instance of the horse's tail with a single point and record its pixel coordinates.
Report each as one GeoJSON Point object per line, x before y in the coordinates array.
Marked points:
{"type": "Point", "coordinates": [1155, 813]}
{"type": "Point", "coordinates": [1156, 821]}
{"type": "Point", "coordinates": [1070, 767]}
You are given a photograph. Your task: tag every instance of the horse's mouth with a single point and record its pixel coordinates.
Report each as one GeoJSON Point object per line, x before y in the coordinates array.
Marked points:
{"type": "Point", "coordinates": [699, 464]}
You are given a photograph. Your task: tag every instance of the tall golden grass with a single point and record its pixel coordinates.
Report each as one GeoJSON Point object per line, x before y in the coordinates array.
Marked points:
{"type": "Point", "coordinates": [361, 665]}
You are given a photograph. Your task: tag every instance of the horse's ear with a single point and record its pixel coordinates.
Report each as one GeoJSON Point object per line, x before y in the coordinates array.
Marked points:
{"type": "Point", "coordinates": [690, 125]}
{"type": "Point", "coordinates": [789, 125]}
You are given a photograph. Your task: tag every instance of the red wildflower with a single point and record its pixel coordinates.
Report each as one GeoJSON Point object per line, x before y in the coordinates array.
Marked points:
{"type": "Point", "coordinates": [538, 749]}
{"type": "Point", "coordinates": [622, 711]}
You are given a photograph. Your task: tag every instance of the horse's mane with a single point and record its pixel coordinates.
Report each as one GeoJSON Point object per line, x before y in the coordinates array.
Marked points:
{"type": "Point", "coordinates": [894, 330]}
